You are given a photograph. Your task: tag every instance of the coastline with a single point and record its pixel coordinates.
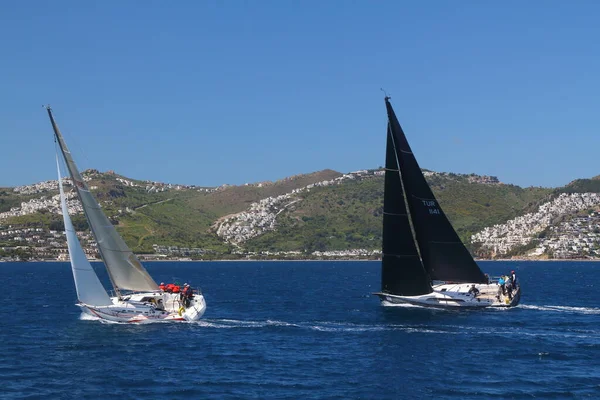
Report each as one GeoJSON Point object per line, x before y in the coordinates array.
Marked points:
{"type": "Point", "coordinates": [540, 259]}
{"type": "Point", "coordinates": [314, 260]}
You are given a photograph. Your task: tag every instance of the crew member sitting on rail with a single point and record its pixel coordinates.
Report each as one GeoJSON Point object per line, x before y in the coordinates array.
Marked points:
{"type": "Point", "coordinates": [162, 286]}
{"type": "Point", "coordinates": [474, 291]}
{"type": "Point", "coordinates": [170, 288]}
{"type": "Point", "coordinates": [176, 289]}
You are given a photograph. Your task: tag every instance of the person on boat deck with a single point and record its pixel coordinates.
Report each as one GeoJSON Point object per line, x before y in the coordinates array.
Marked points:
{"type": "Point", "coordinates": [162, 286]}
{"type": "Point", "coordinates": [169, 288]}
{"type": "Point", "coordinates": [474, 291]}
{"type": "Point", "coordinates": [176, 289]}
{"type": "Point", "coordinates": [502, 284]}
{"type": "Point", "coordinates": [186, 294]}
{"type": "Point", "coordinates": [487, 278]}
{"type": "Point", "coordinates": [514, 279]}
{"type": "Point", "coordinates": [509, 286]}
{"type": "Point", "coordinates": [187, 291]}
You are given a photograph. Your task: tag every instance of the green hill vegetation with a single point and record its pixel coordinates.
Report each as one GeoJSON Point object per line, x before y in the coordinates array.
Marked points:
{"type": "Point", "coordinates": [350, 215]}
{"type": "Point", "coordinates": [175, 217]}
{"type": "Point", "coordinates": [341, 216]}
{"type": "Point", "coordinates": [582, 186]}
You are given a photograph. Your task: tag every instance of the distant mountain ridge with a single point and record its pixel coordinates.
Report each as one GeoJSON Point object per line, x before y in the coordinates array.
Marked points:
{"type": "Point", "coordinates": [325, 212]}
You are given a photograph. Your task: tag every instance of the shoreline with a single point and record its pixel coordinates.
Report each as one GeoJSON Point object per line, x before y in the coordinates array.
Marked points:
{"type": "Point", "coordinates": [311, 260]}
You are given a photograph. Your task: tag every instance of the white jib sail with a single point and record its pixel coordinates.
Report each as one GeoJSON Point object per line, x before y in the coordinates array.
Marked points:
{"type": "Point", "coordinates": [89, 289]}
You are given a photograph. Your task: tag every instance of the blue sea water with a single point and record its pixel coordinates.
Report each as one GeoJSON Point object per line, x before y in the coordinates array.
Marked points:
{"type": "Point", "coordinates": [303, 330]}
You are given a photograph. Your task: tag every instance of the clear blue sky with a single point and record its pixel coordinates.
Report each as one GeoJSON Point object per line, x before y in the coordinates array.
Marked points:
{"type": "Point", "coordinates": [213, 92]}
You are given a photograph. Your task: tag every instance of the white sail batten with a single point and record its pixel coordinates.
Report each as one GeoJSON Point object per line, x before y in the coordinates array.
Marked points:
{"type": "Point", "coordinates": [125, 270]}
{"type": "Point", "coordinates": [89, 289]}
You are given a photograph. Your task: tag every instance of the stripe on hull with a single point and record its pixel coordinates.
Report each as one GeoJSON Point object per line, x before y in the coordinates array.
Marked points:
{"type": "Point", "coordinates": [449, 303]}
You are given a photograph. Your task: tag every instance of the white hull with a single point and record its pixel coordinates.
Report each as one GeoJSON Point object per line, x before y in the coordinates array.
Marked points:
{"type": "Point", "coordinates": [149, 307]}
{"type": "Point", "coordinates": [455, 296]}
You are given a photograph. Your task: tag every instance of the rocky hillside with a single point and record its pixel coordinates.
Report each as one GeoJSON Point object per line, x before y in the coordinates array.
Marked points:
{"type": "Point", "coordinates": [565, 225]}
{"type": "Point", "coordinates": [322, 213]}
{"type": "Point", "coordinates": [349, 215]}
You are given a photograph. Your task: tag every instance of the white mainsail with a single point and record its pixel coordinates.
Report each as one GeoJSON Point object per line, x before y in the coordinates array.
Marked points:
{"type": "Point", "coordinates": [89, 289]}
{"type": "Point", "coordinates": [124, 269]}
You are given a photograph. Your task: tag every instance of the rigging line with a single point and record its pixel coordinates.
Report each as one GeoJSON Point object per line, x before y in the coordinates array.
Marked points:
{"type": "Point", "coordinates": [411, 224]}
{"type": "Point", "coordinates": [67, 180]}
{"type": "Point", "coordinates": [115, 251]}
{"type": "Point", "coordinates": [83, 269]}
{"type": "Point", "coordinates": [423, 198]}
{"type": "Point", "coordinates": [73, 140]}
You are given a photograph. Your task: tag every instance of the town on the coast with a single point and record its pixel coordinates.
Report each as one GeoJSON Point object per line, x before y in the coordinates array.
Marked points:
{"type": "Point", "coordinates": [562, 226]}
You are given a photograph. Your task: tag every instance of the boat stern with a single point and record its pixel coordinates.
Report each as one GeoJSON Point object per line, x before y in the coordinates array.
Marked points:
{"type": "Point", "coordinates": [196, 308]}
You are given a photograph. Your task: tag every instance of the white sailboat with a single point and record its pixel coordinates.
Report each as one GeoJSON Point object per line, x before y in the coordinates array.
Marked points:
{"type": "Point", "coordinates": [137, 296]}
{"type": "Point", "coordinates": [431, 268]}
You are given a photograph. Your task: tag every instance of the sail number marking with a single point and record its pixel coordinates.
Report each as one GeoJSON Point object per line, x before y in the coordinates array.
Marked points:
{"type": "Point", "coordinates": [431, 206]}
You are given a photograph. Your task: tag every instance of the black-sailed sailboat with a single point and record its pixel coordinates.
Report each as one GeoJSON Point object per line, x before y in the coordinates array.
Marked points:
{"type": "Point", "coordinates": [424, 262]}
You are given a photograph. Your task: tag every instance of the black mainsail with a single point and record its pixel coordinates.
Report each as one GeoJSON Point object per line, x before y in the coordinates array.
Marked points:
{"type": "Point", "coordinates": [444, 257]}
{"type": "Point", "coordinates": [402, 273]}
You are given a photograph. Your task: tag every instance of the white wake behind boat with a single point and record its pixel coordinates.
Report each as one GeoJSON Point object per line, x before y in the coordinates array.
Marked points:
{"type": "Point", "coordinates": [138, 298]}
{"type": "Point", "coordinates": [424, 262]}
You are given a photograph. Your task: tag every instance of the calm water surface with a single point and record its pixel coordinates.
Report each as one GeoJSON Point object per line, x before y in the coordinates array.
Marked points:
{"type": "Point", "coordinates": [303, 330]}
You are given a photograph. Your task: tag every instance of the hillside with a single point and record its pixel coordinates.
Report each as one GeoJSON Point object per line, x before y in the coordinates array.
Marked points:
{"type": "Point", "coordinates": [145, 213]}
{"type": "Point", "coordinates": [582, 186]}
{"type": "Point", "coordinates": [298, 216]}
{"type": "Point", "coordinates": [350, 215]}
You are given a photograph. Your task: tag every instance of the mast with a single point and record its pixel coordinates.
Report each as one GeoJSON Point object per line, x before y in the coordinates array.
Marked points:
{"type": "Point", "coordinates": [443, 254]}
